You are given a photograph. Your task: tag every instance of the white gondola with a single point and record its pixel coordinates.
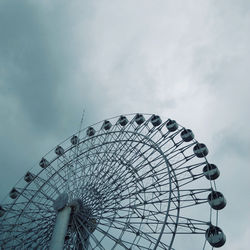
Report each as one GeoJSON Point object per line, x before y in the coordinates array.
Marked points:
{"type": "Point", "coordinates": [13, 193]}
{"type": "Point", "coordinates": [215, 236]}
{"type": "Point", "coordinates": [59, 150]}
{"type": "Point", "coordinates": [187, 135]}
{"type": "Point", "coordinates": [29, 177]}
{"type": "Point", "coordinates": [200, 150]}
{"type": "Point", "coordinates": [2, 211]}
{"type": "Point", "coordinates": [139, 119]}
{"type": "Point", "coordinates": [44, 163]}
{"type": "Point", "coordinates": [211, 172]}
{"type": "Point", "coordinates": [106, 125]}
{"type": "Point", "coordinates": [172, 125]}
{"type": "Point", "coordinates": [156, 120]}
{"type": "Point", "coordinates": [74, 140]}
{"type": "Point", "coordinates": [216, 200]}
{"type": "Point", "coordinates": [123, 121]}
{"type": "Point", "coordinates": [90, 131]}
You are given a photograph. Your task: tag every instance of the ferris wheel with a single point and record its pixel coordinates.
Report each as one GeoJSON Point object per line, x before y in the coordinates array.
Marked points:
{"type": "Point", "coordinates": [128, 182]}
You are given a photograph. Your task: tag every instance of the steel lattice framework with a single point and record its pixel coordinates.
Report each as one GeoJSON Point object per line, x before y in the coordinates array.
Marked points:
{"type": "Point", "coordinates": [131, 185]}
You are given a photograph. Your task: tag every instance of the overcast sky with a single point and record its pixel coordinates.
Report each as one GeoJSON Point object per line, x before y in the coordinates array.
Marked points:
{"type": "Point", "coordinates": [187, 60]}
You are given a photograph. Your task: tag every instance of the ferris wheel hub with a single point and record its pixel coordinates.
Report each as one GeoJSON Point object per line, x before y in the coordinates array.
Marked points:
{"type": "Point", "coordinates": [82, 218]}
{"type": "Point", "coordinates": [61, 201]}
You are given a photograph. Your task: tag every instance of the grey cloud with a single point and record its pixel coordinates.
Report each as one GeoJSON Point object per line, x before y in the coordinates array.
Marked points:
{"type": "Point", "coordinates": [234, 143]}
{"type": "Point", "coordinates": [37, 60]}
{"type": "Point", "coordinates": [29, 71]}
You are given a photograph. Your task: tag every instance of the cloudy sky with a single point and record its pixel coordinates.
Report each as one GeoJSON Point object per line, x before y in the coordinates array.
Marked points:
{"type": "Point", "coordinates": [187, 60]}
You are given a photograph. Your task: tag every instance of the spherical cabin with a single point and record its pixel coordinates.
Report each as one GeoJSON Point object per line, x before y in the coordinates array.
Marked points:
{"type": "Point", "coordinates": [187, 135]}
{"type": "Point", "coordinates": [13, 193]}
{"type": "Point", "coordinates": [139, 119]}
{"type": "Point", "coordinates": [29, 177]}
{"type": "Point", "coordinates": [59, 150]}
{"type": "Point", "coordinates": [106, 125]}
{"type": "Point", "coordinates": [200, 150]}
{"type": "Point", "coordinates": [74, 140]}
{"type": "Point", "coordinates": [155, 120]}
{"type": "Point", "coordinates": [2, 211]}
{"type": "Point", "coordinates": [44, 163]}
{"type": "Point", "coordinates": [211, 172]}
{"type": "Point", "coordinates": [123, 121]}
{"type": "Point", "coordinates": [90, 131]}
{"type": "Point", "coordinates": [216, 200]}
{"type": "Point", "coordinates": [172, 125]}
{"type": "Point", "coordinates": [215, 236]}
